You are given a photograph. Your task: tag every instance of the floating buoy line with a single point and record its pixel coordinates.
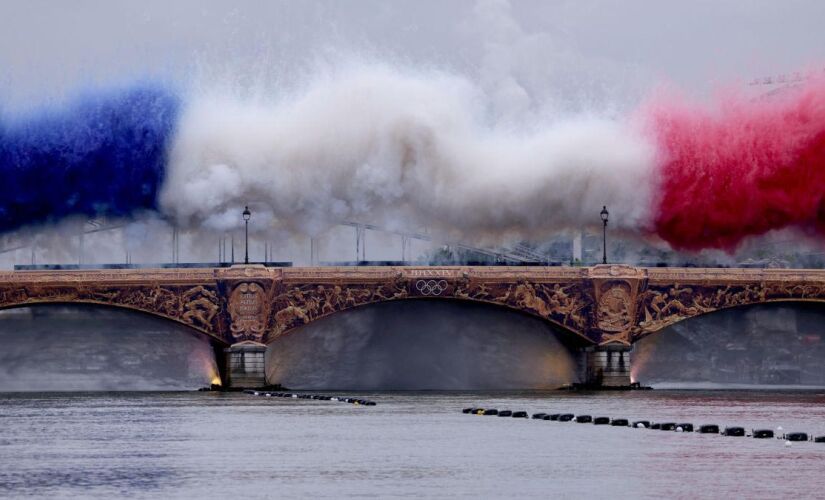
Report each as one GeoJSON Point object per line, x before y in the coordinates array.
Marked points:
{"type": "Point", "coordinates": [316, 397]}
{"type": "Point", "coordinates": [732, 431]}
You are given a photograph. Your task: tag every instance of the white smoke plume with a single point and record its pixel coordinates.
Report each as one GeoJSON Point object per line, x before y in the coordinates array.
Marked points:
{"type": "Point", "coordinates": [405, 149]}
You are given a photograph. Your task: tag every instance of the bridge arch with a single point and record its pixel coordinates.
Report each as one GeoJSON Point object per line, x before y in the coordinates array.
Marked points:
{"type": "Point", "coordinates": [57, 346]}
{"type": "Point", "coordinates": [425, 344]}
{"type": "Point", "coordinates": [195, 329]}
{"type": "Point", "coordinates": [663, 305]}
{"type": "Point", "coordinates": [301, 306]}
{"type": "Point", "coordinates": [772, 342]}
{"type": "Point", "coordinates": [568, 332]}
{"type": "Point", "coordinates": [679, 319]}
{"type": "Point", "coordinates": [196, 306]}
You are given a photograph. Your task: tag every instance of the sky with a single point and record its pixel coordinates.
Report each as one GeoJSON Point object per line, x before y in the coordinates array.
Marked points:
{"type": "Point", "coordinates": [50, 48]}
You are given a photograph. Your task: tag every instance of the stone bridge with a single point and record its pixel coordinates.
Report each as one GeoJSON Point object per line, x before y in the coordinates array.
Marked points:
{"type": "Point", "coordinates": [603, 309]}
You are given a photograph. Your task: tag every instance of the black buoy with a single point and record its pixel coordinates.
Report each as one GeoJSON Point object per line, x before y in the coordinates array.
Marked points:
{"type": "Point", "coordinates": [709, 429]}
{"type": "Point", "coordinates": [566, 417]}
{"type": "Point", "coordinates": [685, 427]}
{"type": "Point", "coordinates": [539, 416]}
{"type": "Point", "coordinates": [584, 419]}
{"type": "Point", "coordinates": [554, 416]}
{"type": "Point", "coordinates": [655, 426]}
{"type": "Point", "coordinates": [642, 424]}
{"type": "Point", "coordinates": [505, 413]}
{"type": "Point", "coordinates": [491, 411]}
{"type": "Point", "coordinates": [601, 421]}
{"type": "Point", "coordinates": [548, 417]}
{"type": "Point", "coordinates": [669, 426]}
{"type": "Point", "coordinates": [796, 436]}
{"type": "Point", "coordinates": [819, 439]}
{"type": "Point", "coordinates": [762, 434]}
{"type": "Point", "coordinates": [520, 414]}
{"type": "Point", "coordinates": [468, 410]}
{"type": "Point", "coordinates": [734, 431]}
{"type": "Point", "coordinates": [619, 422]}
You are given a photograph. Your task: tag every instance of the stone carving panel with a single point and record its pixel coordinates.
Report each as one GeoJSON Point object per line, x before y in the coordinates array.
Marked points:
{"type": "Point", "coordinates": [197, 306]}
{"type": "Point", "coordinates": [303, 303]}
{"type": "Point", "coordinates": [662, 305]}
{"type": "Point", "coordinates": [615, 309]}
{"type": "Point", "coordinates": [610, 303]}
{"type": "Point", "coordinates": [247, 310]}
{"type": "Point", "coordinates": [564, 304]}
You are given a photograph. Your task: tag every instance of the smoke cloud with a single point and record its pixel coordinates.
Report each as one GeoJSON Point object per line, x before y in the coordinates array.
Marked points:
{"type": "Point", "coordinates": [401, 148]}
{"type": "Point", "coordinates": [103, 155]}
{"type": "Point", "coordinates": [741, 168]}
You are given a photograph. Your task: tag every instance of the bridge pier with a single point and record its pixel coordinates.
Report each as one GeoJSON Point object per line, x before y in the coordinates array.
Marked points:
{"type": "Point", "coordinates": [245, 363]}
{"type": "Point", "coordinates": [607, 366]}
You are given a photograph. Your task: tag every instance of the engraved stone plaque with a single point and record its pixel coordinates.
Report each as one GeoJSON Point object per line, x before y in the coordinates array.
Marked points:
{"type": "Point", "coordinates": [246, 308]}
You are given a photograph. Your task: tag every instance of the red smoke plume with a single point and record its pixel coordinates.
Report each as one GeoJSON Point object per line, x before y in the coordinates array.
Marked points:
{"type": "Point", "coordinates": [743, 169]}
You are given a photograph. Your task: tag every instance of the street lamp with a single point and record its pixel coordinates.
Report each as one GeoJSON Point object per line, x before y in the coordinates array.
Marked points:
{"type": "Point", "coordinates": [603, 214]}
{"type": "Point", "coordinates": [246, 216]}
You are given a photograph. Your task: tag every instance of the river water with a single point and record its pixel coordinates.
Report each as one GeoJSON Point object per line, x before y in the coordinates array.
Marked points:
{"type": "Point", "coordinates": [233, 445]}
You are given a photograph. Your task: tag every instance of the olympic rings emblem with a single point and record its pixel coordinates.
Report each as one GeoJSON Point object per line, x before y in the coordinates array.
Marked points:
{"type": "Point", "coordinates": [431, 287]}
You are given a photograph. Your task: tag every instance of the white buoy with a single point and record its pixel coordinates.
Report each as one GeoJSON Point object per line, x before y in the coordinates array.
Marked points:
{"type": "Point", "coordinates": [255, 393]}
{"type": "Point", "coordinates": [640, 426]}
{"type": "Point", "coordinates": [295, 396]}
{"type": "Point", "coordinates": [788, 443]}
{"type": "Point", "coordinates": [679, 429]}
{"type": "Point", "coordinates": [779, 428]}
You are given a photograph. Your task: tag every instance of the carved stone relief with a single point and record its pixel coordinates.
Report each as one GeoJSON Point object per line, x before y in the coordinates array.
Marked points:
{"type": "Point", "coordinates": [613, 303]}
{"type": "Point", "coordinates": [615, 309]}
{"type": "Point", "coordinates": [197, 305]}
{"type": "Point", "coordinates": [247, 310]}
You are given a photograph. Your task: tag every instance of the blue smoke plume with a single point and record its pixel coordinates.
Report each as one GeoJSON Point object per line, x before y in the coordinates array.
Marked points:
{"type": "Point", "coordinates": [103, 155]}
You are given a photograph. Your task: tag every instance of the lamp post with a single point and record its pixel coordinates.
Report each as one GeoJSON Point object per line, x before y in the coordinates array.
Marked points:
{"type": "Point", "coordinates": [603, 214]}
{"type": "Point", "coordinates": [246, 216]}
